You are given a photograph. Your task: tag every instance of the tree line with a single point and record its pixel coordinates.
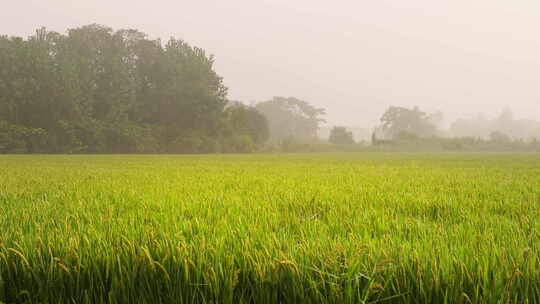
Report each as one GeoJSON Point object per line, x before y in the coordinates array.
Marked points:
{"type": "Point", "coordinates": [97, 90]}
{"type": "Point", "coordinates": [402, 128]}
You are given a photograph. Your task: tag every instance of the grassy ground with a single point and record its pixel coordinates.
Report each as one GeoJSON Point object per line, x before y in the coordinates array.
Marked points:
{"type": "Point", "coordinates": [331, 228]}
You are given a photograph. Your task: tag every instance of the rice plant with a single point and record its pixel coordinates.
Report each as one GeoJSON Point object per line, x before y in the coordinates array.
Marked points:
{"type": "Point", "coordinates": [325, 228]}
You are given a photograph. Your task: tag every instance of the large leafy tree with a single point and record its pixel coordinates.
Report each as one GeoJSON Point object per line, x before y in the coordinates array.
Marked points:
{"type": "Point", "coordinates": [397, 121]}
{"type": "Point", "coordinates": [106, 91]}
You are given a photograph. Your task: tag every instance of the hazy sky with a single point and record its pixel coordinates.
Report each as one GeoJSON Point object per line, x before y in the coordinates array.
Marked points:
{"type": "Point", "coordinates": [355, 58]}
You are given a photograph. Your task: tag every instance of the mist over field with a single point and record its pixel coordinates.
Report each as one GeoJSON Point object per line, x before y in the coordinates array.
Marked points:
{"type": "Point", "coordinates": [269, 151]}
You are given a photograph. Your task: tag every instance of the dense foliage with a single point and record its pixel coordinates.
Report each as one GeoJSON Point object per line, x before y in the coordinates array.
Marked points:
{"type": "Point", "coordinates": [397, 121]}
{"type": "Point", "coordinates": [96, 90]}
{"type": "Point", "coordinates": [319, 228]}
{"type": "Point", "coordinates": [340, 136]}
{"type": "Point", "coordinates": [291, 120]}
{"type": "Point", "coordinates": [404, 129]}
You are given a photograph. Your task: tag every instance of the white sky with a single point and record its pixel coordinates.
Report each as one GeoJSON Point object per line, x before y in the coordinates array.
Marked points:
{"type": "Point", "coordinates": [355, 58]}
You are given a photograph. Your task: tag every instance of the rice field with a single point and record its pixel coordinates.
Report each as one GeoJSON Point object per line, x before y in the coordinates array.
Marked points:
{"type": "Point", "coordinates": [311, 228]}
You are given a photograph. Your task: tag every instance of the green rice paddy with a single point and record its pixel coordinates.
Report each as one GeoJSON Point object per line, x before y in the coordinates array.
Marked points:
{"type": "Point", "coordinates": [311, 228]}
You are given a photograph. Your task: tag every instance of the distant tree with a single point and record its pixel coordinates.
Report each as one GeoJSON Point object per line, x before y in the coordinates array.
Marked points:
{"type": "Point", "coordinates": [397, 120]}
{"type": "Point", "coordinates": [499, 137]}
{"type": "Point", "coordinates": [340, 136]}
{"type": "Point", "coordinates": [506, 123]}
{"type": "Point", "coordinates": [244, 123]}
{"type": "Point", "coordinates": [291, 119]}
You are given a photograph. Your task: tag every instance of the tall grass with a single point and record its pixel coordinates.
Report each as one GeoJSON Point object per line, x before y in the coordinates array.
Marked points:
{"type": "Point", "coordinates": [336, 228]}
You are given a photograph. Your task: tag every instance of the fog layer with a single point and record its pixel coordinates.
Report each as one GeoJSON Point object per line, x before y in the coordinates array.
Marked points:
{"type": "Point", "coordinates": [354, 58]}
